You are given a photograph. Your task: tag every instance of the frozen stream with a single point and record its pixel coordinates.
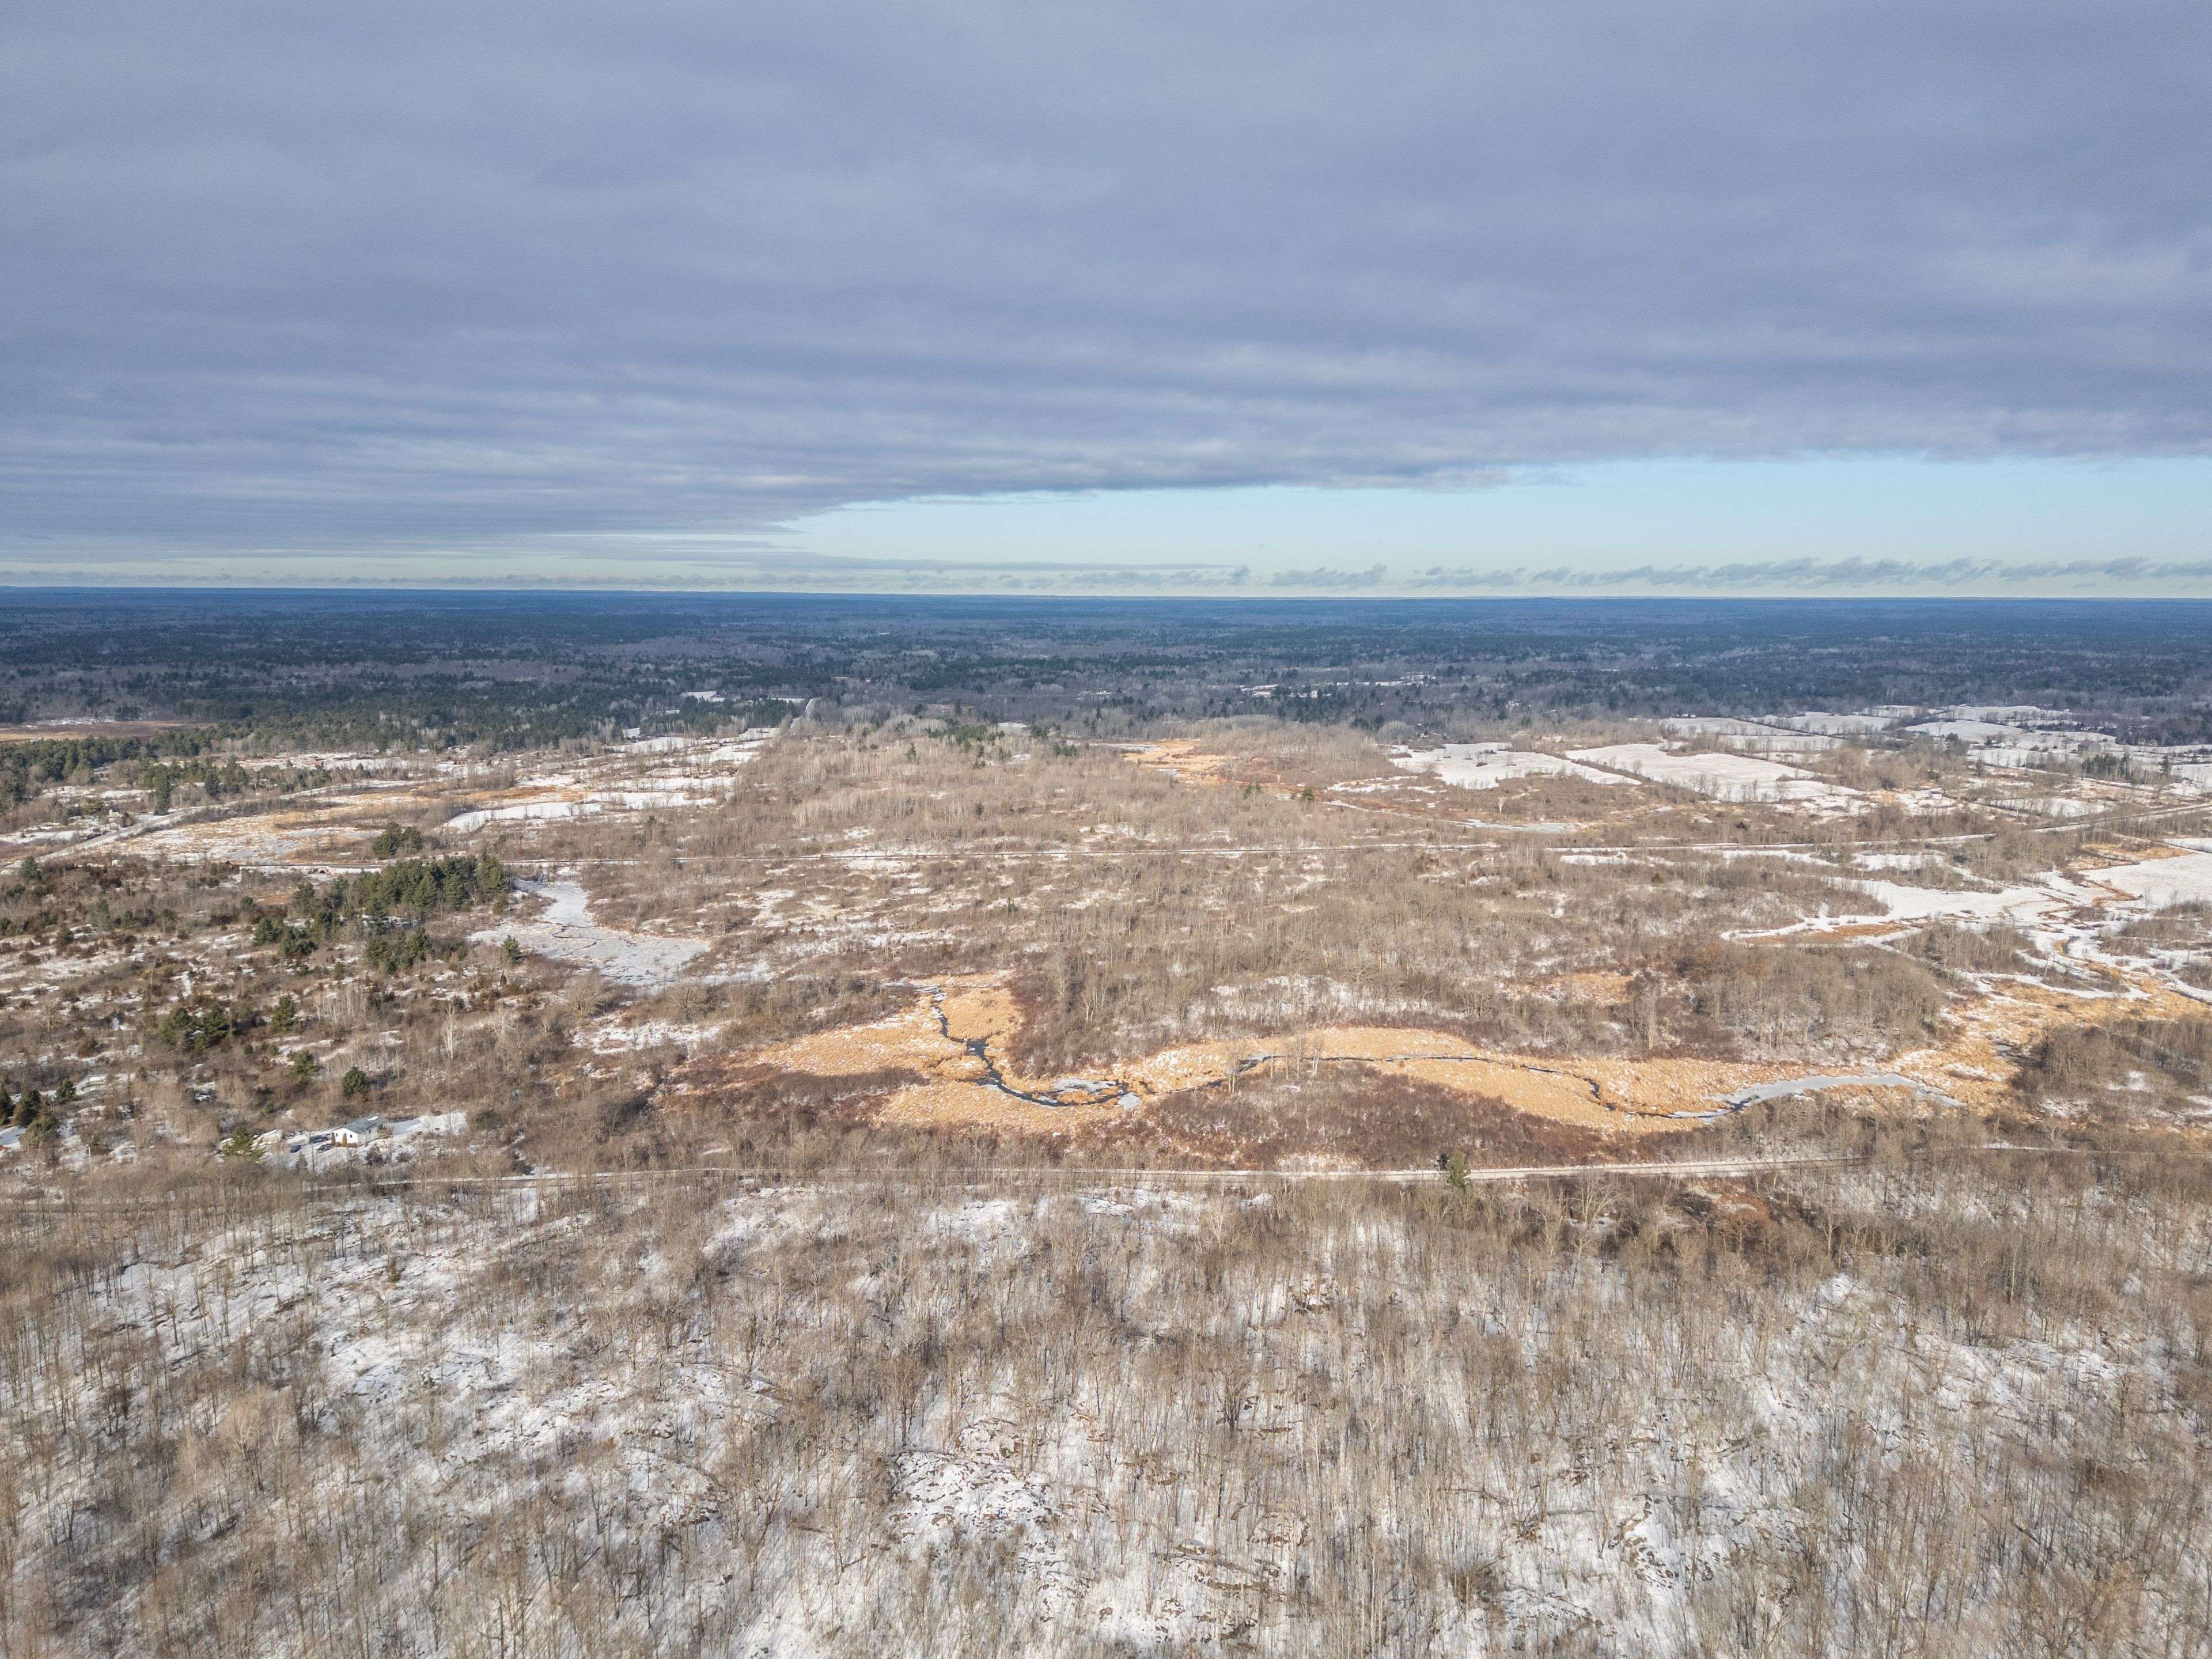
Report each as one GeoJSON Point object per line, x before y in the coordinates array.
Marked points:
{"type": "Point", "coordinates": [1788, 1087]}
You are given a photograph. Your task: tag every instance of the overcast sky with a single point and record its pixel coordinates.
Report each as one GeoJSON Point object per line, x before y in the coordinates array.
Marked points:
{"type": "Point", "coordinates": [1203, 296]}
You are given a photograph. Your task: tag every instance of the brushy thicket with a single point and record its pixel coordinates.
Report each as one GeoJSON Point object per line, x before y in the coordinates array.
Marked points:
{"type": "Point", "coordinates": [1142, 912]}
{"type": "Point", "coordinates": [1951, 1405]}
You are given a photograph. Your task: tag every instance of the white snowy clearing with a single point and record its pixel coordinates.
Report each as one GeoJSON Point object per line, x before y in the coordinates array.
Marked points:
{"type": "Point", "coordinates": [2053, 806]}
{"type": "Point", "coordinates": [521, 812]}
{"type": "Point", "coordinates": [1724, 777]}
{"type": "Point", "coordinates": [1487, 765]}
{"type": "Point", "coordinates": [567, 933]}
{"type": "Point", "coordinates": [1902, 903]}
{"type": "Point", "coordinates": [2024, 906]}
{"type": "Point", "coordinates": [1970, 732]}
{"type": "Point", "coordinates": [1836, 725]}
{"type": "Point", "coordinates": [1750, 737]}
{"type": "Point", "coordinates": [2164, 883]}
{"type": "Point", "coordinates": [1714, 725]}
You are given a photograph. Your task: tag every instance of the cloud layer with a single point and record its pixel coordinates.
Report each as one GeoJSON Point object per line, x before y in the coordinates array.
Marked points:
{"type": "Point", "coordinates": [311, 275]}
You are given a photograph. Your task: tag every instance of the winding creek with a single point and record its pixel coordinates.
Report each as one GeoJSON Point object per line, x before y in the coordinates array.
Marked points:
{"type": "Point", "coordinates": [1129, 1094]}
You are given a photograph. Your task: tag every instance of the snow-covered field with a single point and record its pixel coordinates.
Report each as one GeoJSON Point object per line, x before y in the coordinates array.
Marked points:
{"type": "Point", "coordinates": [1752, 737]}
{"type": "Point", "coordinates": [531, 811]}
{"type": "Point", "coordinates": [2018, 904]}
{"type": "Point", "coordinates": [2162, 882]}
{"type": "Point", "coordinates": [1724, 777]}
{"type": "Point", "coordinates": [2025, 905]}
{"type": "Point", "coordinates": [1837, 725]}
{"type": "Point", "coordinates": [1714, 725]}
{"type": "Point", "coordinates": [1972, 732]}
{"type": "Point", "coordinates": [1487, 765]}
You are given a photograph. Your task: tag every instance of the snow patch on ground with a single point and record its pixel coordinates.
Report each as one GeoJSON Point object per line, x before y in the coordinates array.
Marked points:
{"type": "Point", "coordinates": [2164, 883]}
{"type": "Point", "coordinates": [1836, 725]}
{"type": "Point", "coordinates": [1922, 860]}
{"type": "Point", "coordinates": [1904, 903]}
{"type": "Point", "coordinates": [1487, 765]}
{"type": "Point", "coordinates": [567, 933]}
{"type": "Point", "coordinates": [1723, 777]}
{"type": "Point", "coordinates": [2053, 806]}
{"type": "Point", "coordinates": [616, 1039]}
{"type": "Point", "coordinates": [529, 812]}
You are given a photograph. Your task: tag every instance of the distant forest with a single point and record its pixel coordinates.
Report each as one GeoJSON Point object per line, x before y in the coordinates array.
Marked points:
{"type": "Point", "coordinates": [510, 671]}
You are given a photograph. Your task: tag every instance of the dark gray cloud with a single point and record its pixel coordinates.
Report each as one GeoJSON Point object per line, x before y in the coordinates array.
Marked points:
{"type": "Point", "coordinates": [304, 274]}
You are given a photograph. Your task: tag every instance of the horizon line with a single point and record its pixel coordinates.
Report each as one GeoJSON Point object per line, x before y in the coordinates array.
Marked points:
{"type": "Point", "coordinates": [524, 589]}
